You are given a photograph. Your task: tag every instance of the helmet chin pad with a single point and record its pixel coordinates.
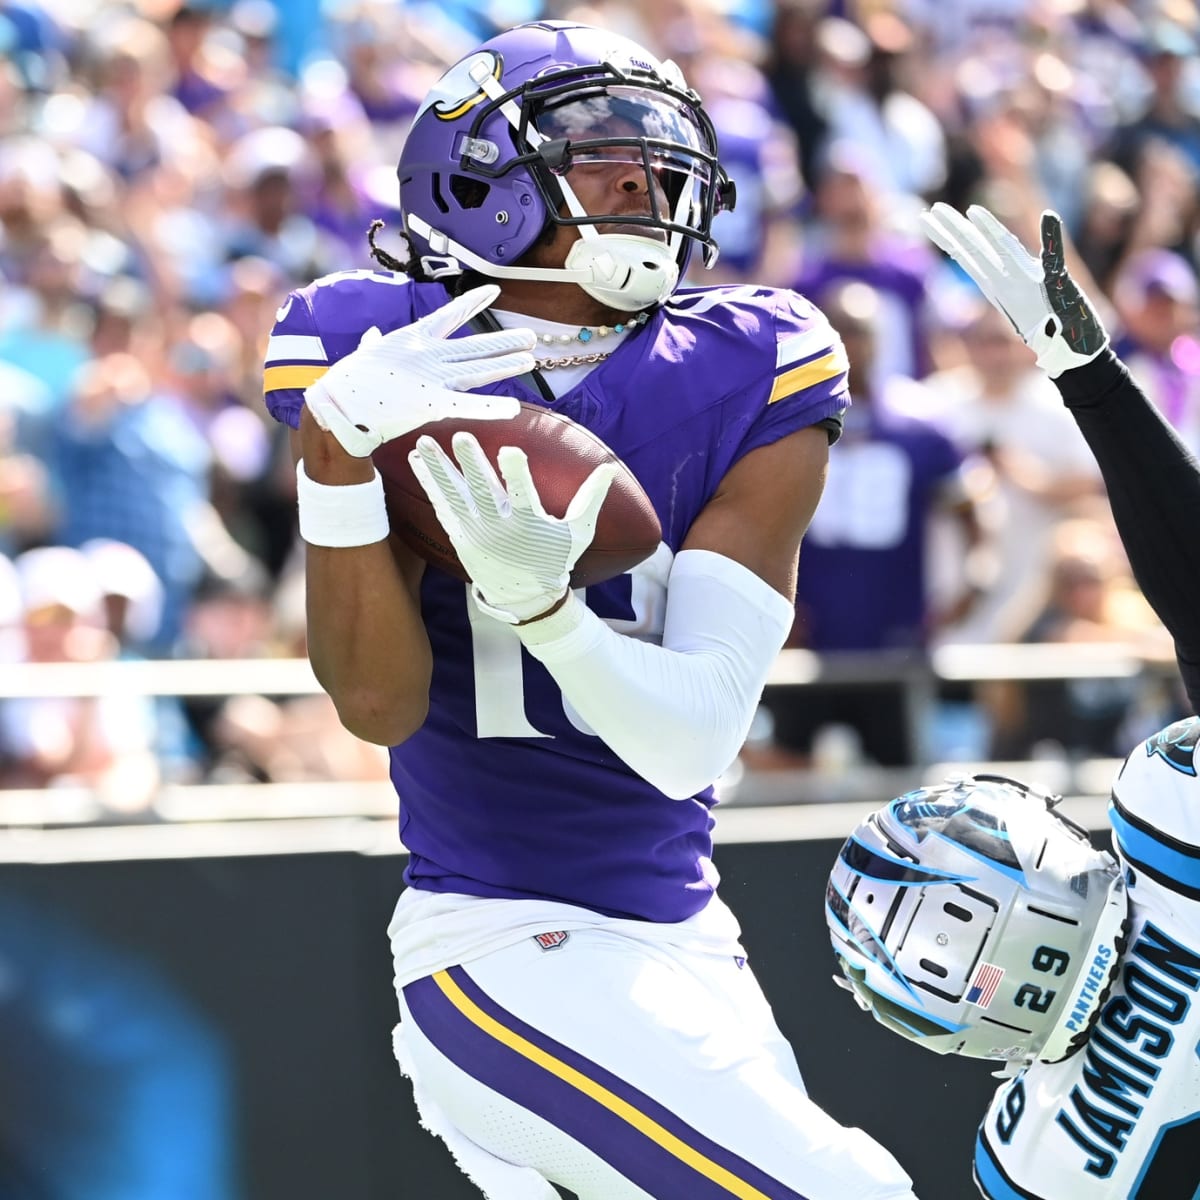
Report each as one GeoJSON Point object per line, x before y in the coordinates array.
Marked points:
{"type": "Point", "coordinates": [625, 272]}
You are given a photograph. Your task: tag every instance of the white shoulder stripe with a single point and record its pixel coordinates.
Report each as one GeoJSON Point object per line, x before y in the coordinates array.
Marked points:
{"type": "Point", "coordinates": [292, 347]}
{"type": "Point", "coordinates": [816, 340]}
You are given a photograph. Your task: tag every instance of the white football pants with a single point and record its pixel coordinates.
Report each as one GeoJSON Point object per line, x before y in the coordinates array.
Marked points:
{"type": "Point", "coordinates": [624, 1071]}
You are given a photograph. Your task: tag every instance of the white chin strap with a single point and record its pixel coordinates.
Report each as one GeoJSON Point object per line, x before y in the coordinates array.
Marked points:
{"type": "Point", "coordinates": [620, 270]}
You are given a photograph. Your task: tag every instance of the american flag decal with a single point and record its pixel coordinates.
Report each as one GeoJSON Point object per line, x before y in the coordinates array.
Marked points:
{"type": "Point", "coordinates": [552, 941]}
{"type": "Point", "coordinates": [984, 983]}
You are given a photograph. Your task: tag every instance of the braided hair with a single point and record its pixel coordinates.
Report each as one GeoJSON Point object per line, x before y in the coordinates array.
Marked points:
{"type": "Point", "coordinates": [414, 268]}
{"type": "Point", "coordinates": [411, 267]}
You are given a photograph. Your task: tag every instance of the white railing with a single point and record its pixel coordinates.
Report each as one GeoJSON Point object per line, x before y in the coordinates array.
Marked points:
{"type": "Point", "coordinates": [28, 809]}
{"type": "Point", "coordinates": [294, 677]}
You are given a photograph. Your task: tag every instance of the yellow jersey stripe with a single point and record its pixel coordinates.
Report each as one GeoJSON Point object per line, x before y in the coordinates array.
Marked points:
{"type": "Point", "coordinates": [276, 378]}
{"type": "Point", "coordinates": [817, 371]}
{"type": "Point", "coordinates": [622, 1108]}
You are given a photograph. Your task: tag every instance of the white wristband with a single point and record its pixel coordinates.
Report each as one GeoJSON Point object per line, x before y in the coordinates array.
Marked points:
{"type": "Point", "coordinates": [341, 515]}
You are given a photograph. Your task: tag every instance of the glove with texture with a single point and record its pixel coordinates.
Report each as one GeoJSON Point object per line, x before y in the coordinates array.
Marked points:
{"type": "Point", "coordinates": [1038, 296]}
{"type": "Point", "coordinates": [396, 382]}
{"type": "Point", "coordinates": [518, 556]}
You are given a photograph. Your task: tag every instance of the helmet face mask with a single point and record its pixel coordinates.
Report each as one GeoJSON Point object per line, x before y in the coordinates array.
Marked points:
{"type": "Point", "coordinates": [975, 919]}
{"type": "Point", "coordinates": [488, 165]}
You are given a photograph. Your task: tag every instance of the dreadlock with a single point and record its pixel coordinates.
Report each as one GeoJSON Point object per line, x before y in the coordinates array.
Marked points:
{"type": "Point", "coordinates": [414, 269]}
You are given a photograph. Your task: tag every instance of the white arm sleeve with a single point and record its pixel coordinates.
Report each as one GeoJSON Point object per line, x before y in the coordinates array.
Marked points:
{"type": "Point", "coordinates": [677, 713]}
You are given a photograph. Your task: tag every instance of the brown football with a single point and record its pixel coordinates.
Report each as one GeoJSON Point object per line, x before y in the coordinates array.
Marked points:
{"type": "Point", "coordinates": [562, 454]}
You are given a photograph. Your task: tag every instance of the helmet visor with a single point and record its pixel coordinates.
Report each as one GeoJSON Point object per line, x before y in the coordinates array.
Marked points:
{"type": "Point", "coordinates": [637, 127]}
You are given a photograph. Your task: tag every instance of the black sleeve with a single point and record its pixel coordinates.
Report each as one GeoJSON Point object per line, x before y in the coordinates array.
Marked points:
{"type": "Point", "coordinates": [1153, 484]}
{"type": "Point", "coordinates": [832, 426]}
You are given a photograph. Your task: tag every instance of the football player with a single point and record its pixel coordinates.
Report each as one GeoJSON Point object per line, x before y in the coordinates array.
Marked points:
{"type": "Point", "coordinates": [974, 918]}
{"type": "Point", "coordinates": [576, 1008]}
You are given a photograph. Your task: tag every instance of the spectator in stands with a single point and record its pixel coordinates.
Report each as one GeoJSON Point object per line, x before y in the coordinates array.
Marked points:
{"type": "Point", "coordinates": [759, 238]}
{"type": "Point", "coordinates": [1167, 48]}
{"type": "Point", "coordinates": [42, 333]}
{"type": "Point", "coordinates": [862, 92]}
{"type": "Point", "coordinates": [848, 240]}
{"type": "Point", "coordinates": [198, 84]}
{"type": "Point", "coordinates": [267, 173]}
{"type": "Point", "coordinates": [132, 468]}
{"type": "Point", "coordinates": [864, 580]}
{"type": "Point", "coordinates": [864, 576]}
{"type": "Point", "coordinates": [1090, 599]}
{"type": "Point", "coordinates": [791, 73]}
{"type": "Point", "coordinates": [131, 120]}
{"type": "Point", "coordinates": [104, 742]}
{"type": "Point", "coordinates": [25, 513]}
{"type": "Point", "coordinates": [1111, 202]}
{"type": "Point", "coordinates": [1158, 300]}
{"type": "Point", "coordinates": [999, 407]}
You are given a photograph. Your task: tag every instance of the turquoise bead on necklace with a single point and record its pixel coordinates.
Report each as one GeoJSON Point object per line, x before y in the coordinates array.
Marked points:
{"type": "Point", "coordinates": [586, 333]}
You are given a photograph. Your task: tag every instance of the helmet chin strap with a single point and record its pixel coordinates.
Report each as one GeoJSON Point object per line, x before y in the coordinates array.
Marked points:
{"type": "Point", "coordinates": [620, 270]}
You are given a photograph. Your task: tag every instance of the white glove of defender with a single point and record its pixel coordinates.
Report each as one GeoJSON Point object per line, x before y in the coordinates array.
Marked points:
{"type": "Point", "coordinates": [518, 556]}
{"type": "Point", "coordinates": [1041, 300]}
{"type": "Point", "coordinates": [396, 382]}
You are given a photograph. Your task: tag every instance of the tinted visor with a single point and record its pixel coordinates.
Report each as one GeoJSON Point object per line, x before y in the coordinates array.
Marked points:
{"type": "Point", "coordinates": [656, 132]}
{"type": "Point", "coordinates": [621, 114]}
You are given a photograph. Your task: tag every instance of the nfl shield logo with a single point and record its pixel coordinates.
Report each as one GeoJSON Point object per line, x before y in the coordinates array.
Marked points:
{"type": "Point", "coordinates": [551, 941]}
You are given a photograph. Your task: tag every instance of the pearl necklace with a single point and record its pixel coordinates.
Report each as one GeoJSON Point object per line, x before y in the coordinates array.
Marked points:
{"type": "Point", "coordinates": [586, 333]}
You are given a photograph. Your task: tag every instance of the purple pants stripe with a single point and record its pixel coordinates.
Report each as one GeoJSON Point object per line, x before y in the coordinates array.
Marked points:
{"type": "Point", "coordinates": [644, 1141]}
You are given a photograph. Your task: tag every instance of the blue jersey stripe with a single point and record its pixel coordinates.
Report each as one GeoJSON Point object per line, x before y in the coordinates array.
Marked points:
{"type": "Point", "coordinates": [990, 1177]}
{"type": "Point", "coordinates": [1173, 863]}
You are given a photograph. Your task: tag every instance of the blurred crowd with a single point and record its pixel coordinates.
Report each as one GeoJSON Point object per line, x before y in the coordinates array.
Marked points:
{"type": "Point", "coordinates": [170, 170]}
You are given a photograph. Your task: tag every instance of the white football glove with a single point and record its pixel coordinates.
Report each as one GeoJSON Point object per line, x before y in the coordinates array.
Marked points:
{"type": "Point", "coordinates": [396, 382]}
{"type": "Point", "coordinates": [1041, 300]}
{"type": "Point", "coordinates": [518, 556]}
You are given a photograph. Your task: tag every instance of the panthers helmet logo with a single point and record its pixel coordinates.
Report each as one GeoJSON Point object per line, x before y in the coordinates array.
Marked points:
{"type": "Point", "coordinates": [1176, 745]}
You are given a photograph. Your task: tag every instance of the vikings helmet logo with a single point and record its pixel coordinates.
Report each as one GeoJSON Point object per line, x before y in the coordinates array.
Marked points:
{"type": "Point", "coordinates": [457, 92]}
{"type": "Point", "coordinates": [1176, 745]}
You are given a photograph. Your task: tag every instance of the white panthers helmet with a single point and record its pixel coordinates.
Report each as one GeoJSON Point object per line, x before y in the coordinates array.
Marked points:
{"type": "Point", "coordinates": [975, 919]}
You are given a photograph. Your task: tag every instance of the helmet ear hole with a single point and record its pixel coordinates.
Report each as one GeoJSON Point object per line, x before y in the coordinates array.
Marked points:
{"type": "Point", "coordinates": [470, 193]}
{"type": "Point", "coordinates": [436, 190]}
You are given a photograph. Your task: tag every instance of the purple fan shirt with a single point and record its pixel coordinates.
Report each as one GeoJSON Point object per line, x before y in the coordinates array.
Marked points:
{"type": "Point", "coordinates": [504, 792]}
{"type": "Point", "coordinates": [861, 583]}
{"type": "Point", "coordinates": [898, 275]}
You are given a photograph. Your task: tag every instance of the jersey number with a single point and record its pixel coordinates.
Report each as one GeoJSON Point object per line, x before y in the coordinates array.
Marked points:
{"type": "Point", "coordinates": [497, 652]}
{"type": "Point", "coordinates": [1010, 1113]}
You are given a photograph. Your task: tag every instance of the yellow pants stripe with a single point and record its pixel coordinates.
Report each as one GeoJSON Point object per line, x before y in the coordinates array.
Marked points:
{"type": "Point", "coordinates": [622, 1108]}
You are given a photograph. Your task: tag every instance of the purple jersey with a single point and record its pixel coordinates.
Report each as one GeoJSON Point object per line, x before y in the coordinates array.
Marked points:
{"type": "Point", "coordinates": [503, 791]}
{"type": "Point", "coordinates": [861, 584]}
{"type": "Point", "coordinates": [897, 272]}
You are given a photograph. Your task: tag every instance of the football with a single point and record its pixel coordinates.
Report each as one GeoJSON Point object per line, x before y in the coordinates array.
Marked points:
{"type": "Point", "coordinates": [562, 454]}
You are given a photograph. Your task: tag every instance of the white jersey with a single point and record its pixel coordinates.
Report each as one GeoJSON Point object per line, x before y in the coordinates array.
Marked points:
{"type": "Point", "coordinates": [1120, 1119]}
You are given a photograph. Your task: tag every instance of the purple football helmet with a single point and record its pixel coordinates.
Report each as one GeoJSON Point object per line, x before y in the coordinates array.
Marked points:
{"type": "Point", "coordinates": [487, 164]}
